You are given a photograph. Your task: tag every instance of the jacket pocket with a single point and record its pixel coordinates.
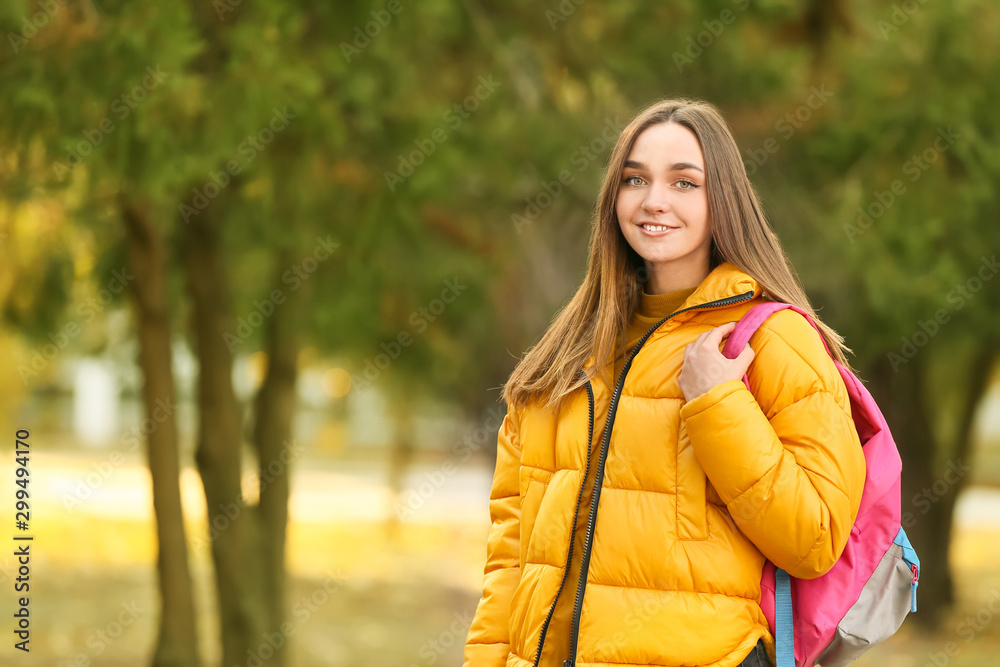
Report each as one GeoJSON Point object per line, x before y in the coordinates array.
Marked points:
{"type": "Point", "coordinates": [533, 483]}
{"type": "Point", "coordinates": [692, 520]}
{"type": "Point", "coordinates": [529, 511]}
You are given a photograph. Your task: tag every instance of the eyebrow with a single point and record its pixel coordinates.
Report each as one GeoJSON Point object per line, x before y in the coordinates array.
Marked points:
{"type": "Point", "coordinates": [677, 166]}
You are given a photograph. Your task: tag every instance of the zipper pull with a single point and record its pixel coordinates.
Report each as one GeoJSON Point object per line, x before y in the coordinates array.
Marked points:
{"type": "Point", "coordinates": [567, 663]}
{"type": "Point", "coordinates": [913, 588]}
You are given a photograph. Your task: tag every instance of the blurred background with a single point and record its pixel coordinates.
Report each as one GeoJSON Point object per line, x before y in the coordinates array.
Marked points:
{"type": "Point", "coordinates": [267, 263]}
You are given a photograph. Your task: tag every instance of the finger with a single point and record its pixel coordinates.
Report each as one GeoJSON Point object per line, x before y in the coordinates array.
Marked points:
{"type": "Point", "coordinates": [744, 359]}
{"type": "Point", "coordinates": [705, 336]}
{"type": "Point", "coordinates": [701, 336]}
{"type": "Point", "coordinates": [695, 347]}
{"type": "Point", "coordinates": [716, 335]}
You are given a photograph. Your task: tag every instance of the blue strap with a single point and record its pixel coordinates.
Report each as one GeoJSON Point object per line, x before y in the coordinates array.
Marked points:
{"type": "Point", "coordinates": [910, 557]}
{"type": "Point", "coordinates": [784, 633]}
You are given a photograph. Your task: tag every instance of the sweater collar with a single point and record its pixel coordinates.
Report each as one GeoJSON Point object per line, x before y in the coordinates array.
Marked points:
{"type": "Point", "coordinates": [658, 305]}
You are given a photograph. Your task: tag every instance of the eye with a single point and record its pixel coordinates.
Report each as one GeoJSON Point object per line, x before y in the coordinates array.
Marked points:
{"type": "Point", "coordinates": [691, 185]}
{"type": "Point", "coordinates": [628, 180]}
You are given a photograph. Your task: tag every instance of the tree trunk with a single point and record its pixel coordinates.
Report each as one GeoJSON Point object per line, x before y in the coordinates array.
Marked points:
{"type": "Point", "coordinates": [274, 412]}
{"type": "Point", "coordinates": [929, 489]}
{"type": "Point", "coordinates": [975, 379]}
{"type": "Point", "coordinates": [400, 460]}
{"type": "Point", "coordinates": [233, 524]}
{"type": "Point", "coordinates": [900, 394]}
{"type": "Point", "coordinates": [177, 641]}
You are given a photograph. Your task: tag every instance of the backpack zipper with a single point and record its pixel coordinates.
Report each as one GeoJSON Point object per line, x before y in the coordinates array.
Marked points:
{"type": "Point", "coordinates": [599, 481]}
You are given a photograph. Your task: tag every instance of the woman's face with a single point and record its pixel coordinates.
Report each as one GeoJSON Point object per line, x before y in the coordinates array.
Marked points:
{"type": "Point", "coordinates": [663, 207]}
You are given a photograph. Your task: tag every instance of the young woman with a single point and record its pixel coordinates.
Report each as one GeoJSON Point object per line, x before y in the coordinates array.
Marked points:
{"type": "Point", "coordinates": [639, 485]}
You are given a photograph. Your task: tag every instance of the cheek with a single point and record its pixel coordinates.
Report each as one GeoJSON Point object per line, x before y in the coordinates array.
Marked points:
{"type": "Point", "coordinates": [624, 207]}
{"type": "Point", "coordinates": [696, 214]}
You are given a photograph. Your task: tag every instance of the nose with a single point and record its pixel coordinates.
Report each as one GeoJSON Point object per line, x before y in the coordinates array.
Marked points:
{"type": "Point", "coordinates": [657, 198]}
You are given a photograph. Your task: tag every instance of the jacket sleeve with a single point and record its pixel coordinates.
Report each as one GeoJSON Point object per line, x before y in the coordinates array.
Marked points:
{"type": "Point", "coordinates": [788, 464]}
{"type": "Point", "coordinates": [488, 642]}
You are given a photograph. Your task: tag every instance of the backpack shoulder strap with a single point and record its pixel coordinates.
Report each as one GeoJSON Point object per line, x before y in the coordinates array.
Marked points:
{"type": "Point", "coordinates": [753, 319]}
{"type": "Point", "coordinates": [784, 620]}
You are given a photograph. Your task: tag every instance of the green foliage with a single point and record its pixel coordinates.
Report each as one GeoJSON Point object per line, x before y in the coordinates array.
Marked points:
{"type": "Point", "coordinates": [366, 106]}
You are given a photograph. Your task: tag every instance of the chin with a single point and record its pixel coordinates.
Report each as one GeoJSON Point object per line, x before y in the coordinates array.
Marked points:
{"type": "Point", "coordinates": [663, 259]}
{"type": "Point", "coordinates": [661, 255]}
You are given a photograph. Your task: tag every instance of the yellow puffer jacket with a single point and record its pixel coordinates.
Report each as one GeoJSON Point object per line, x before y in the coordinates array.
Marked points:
{"type": "Point", "coordinates": [691, 498]}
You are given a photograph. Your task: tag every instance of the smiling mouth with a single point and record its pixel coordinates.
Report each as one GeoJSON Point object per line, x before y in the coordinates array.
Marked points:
{"type": "Point", "coordinates": [650, 227]}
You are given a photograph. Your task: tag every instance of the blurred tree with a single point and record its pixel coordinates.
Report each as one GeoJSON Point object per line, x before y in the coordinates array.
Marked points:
{"type": "Point", "coordinates": [887, 195]}
{"type": "Point", "coordinates": [63, 114]}
{"type": "Point", "coordinates": [821, 99]}
{"type": "Point", "coordinates": [154, 119]}
{"type": "Point", "coordinates": [149, 261]}
{"type": "Point", "coordinates": [454, 152]}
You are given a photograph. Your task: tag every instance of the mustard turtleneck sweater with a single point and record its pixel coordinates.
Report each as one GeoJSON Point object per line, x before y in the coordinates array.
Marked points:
{"type": "Point", "coordinates": [652, 309]}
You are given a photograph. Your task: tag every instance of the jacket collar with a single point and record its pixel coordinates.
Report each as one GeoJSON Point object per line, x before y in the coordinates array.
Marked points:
{"type": "Point", "coordinates": [724, 281]}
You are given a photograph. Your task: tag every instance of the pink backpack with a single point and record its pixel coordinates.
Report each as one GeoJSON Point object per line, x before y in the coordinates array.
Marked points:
{"type": "Point", "coordinates": [863, 599]}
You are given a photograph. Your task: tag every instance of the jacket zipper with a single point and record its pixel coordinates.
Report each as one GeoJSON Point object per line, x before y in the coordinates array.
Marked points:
{"type": "Point", "coordinates": [599, 481]}
{"type": "Point", "coordinates": [576, 514]}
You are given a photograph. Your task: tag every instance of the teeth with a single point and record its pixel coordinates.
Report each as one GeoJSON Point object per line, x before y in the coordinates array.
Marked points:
{"type": "Point", "coordinates": [655, 228]}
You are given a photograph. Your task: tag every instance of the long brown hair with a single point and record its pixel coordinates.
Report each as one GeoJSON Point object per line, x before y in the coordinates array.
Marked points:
{"type": "Point", "coordinates": [592, 322]}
